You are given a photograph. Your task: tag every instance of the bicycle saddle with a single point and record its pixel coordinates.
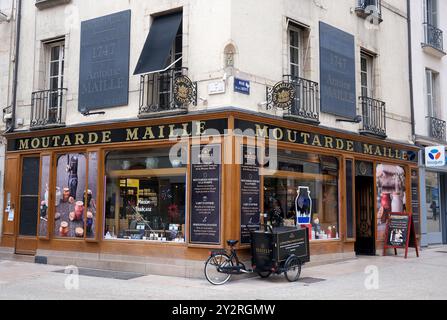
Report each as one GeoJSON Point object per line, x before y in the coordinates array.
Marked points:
{"type": "Point", "coordinates": [232, 243]}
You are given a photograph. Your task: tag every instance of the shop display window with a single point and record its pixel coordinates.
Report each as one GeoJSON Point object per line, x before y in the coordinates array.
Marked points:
{"type": "Point", "coordinates": [391, 194]}
{"type": "Point", "coordinates": [304, 191]}
{"type": "Point", "coordinates": [75, 203]}
{"type": "Point", "coordinates": [44, 196]}
{"type": "Point", "coordinates": [145, 196]}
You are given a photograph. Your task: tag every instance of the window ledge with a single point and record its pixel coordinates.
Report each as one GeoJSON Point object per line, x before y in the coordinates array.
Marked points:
{"type": "Point", "coordinates": [363, 13]}
{"type": "Point", "coordinates": [43, 4]}
{"type": "Point", "coordinates": [431, 50]}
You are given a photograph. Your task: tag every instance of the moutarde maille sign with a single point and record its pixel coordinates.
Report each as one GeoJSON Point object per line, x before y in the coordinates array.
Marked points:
{"type": "Point", "coordinates": [324, 141]}
{"type": "Point", "coordinates": [133, 134]}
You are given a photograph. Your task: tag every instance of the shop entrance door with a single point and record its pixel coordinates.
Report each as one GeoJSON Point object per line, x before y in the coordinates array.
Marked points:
{"type": "Point", "coordinates": [26, 242]}
{"type": "Point", "coordinates": [364, 199]}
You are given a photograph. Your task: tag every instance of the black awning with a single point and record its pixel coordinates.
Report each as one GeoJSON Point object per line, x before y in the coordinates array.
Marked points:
{"type": "Point", "coordinates": [159, 43]}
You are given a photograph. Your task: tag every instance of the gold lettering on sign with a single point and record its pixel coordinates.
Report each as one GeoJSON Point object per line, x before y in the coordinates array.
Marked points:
{"type": "Point", "coordinates": [350, 146]}
{"type": "Point", "coordinates": [289, 133]}
{"type": "Point", "coordinates": [397, 154]}
{"type": "Point", "coordinates": [56, 140]}
{"type": "Point", "coordinates": [92, 138]}
{"type": "Point", "coordinates": [132, 134]}
{"type": "Point", "coordinates": [172, 131]}
{"type": "Point", "coordinates": [316, 141]}
{"type": "Point", "coordinates": [66, 141]}
{"type": "Point", "coordinates": [278, 134]}
{"type": "Point", "coordinates": [185, 130]}
{"type": "Point", "coordinates": [24, 144]}
{"type": "Point", "coordinates": [149, 134]}
{"type": "Point", "coordinates": [161, 134]}
{"type": "Point", "coordinates": [79, 139]}
{"type": "Point", "coordinates": [340, 144]}
{"type": "Point", "coordinates": [106, 137]}
{"type": "Point", "coordinates": [200, 128]}
{"type": "Point", "coordinates": [35, 143]}
{"type": "Point", "coordinates": [378, 152]}
{"type": "Point", "coordinates": [306, 137]}
{"type": "Point", "coordinates": [262, 132]}
{"type": "Point", "coordinates": [329, 142]}
{"type": "Point", "coordinates": [367, 149]}
{"type": "Point", "coordinates": [45, 142]}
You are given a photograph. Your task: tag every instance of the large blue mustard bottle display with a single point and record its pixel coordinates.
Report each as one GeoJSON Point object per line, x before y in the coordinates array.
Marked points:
{"type": "Point", "coordinates": [303, 206]}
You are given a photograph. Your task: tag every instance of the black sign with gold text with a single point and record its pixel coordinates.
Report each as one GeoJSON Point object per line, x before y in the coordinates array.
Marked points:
{"type": "Point", "coordinates": [133, 134]}
{"type": "Point", "coordinates": [332, 142]}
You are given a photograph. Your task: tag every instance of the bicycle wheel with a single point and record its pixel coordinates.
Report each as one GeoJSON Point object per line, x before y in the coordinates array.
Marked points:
{"type": "Point", "coordinates": [293, 268]}
{"type": "Point", "coordinates": [212, 273]}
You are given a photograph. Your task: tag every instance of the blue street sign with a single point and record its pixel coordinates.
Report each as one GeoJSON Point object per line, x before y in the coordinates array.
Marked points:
{"type": "Point", "coordinates": [242, 86]}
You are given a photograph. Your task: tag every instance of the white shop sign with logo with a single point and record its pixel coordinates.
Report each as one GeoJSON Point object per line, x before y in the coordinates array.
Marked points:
{"type": "Point", "coordinates": [435, 157]}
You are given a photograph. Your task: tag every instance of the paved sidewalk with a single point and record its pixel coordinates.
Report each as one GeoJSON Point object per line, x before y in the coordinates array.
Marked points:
{"type": "Point", "coordinates": [423, 278]}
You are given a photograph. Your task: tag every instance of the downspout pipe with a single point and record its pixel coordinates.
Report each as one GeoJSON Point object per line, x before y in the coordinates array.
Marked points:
{"type": "Point", "coordinates": [410, 68]}
{"type": "Point", "coordinates": [16, 68]}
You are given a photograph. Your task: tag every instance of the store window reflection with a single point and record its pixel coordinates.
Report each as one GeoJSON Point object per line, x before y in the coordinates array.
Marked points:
{"type": "Point", "coordinates": [304, 190]}
{"type": "Point", "coordinates": [44, 196]}
{"type": "Point", "coordinates": [432, 184]}
{"type": "Point", "coordinates": [145, 196]}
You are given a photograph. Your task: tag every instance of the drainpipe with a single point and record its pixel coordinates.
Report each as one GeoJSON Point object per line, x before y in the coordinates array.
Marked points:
{"type": "Point", "coordinates": [16, 68]}
{"type": "Point", "coordinates": [410, 63]}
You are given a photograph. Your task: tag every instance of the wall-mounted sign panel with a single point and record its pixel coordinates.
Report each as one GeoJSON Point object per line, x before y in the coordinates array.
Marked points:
{"type": "Point", "coordinates": [104, 62]}
{"type": "Point", "coordinates": [337, 72]}
{"type": "Point", "coordinates": [242, 86]}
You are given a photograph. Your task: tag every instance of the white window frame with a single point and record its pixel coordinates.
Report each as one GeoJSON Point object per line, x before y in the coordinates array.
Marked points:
{"type": "Point", "coordinates": [432, 79]}
{"type": "Point", "coordinates": [369, 86]}
{"type": "Point", "coordinates": [291, 65]}
{"type": "Point", "coordinates": [431, 16]}
{"type": "Point", "coordinates": [61, 64]}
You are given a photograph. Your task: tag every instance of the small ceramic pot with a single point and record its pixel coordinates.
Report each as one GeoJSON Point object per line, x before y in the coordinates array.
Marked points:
{"type": "Point", "coordinates": [79, 232]}
{"type": "Point", "coordinates": [66, 195]}
{"type": "Point", "coordinates": [79, 210]}
{"type": "Point", "coordinates": [63, 230]}
{"type": "Point", "coordinates": [72, 216]}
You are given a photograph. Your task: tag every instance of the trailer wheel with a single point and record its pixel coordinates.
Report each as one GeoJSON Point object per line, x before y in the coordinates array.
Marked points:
{"type": "Point", "coordinates": [293, 268]}
{"type": "Point", "coordinates": [264, 274]}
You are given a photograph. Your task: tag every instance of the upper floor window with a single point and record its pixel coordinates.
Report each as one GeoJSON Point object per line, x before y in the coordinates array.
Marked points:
{"type": "Point", "coordinates": [56, 60]}
{"type": "Point", "coordinates": [432, 79]}
{"type": "Point", "coordinates": [295, 51]}
{"type": "Point", "coordinates": [371, 9]}
{"type": "Point", "coordinates": [431, 12]}
{"type": "Point", "coordinates": [366, 75]}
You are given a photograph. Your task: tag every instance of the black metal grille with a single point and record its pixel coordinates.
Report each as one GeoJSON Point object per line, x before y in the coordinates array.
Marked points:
{"type": "Point", "coordinates": [437, 128]}
{"type": "Point", "coordinates": [374, 116]}
{"type": "Point", "coordinates": [306, 105]}
{"type": "Point", "coordinates": [47, 108]}
{"type": "Point", "coordinates": [157, 92]}
{"type": "Point", "coordinates": [434, 37]}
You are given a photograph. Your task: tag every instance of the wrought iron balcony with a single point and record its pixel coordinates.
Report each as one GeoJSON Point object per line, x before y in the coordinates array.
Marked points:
{"type": "Point", "coordinates": [167, 92]}
{"type": "Point", "coordinates": [374, 117]}
{"type": "Point", "coordinates": [434, 37]}
{"type": "Point", "coordinates": [305, 103]}
{"type": "Point", "coordinates": [437, 129]}
{"type": "Point", "coordinates": [370, 9]}
{"type": "Point", "coordinates": [48, 108]}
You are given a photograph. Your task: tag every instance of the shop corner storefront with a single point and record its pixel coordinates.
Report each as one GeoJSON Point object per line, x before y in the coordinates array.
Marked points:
{"type": "Point", "coordinates": [173, 188]}
{"type": "Point", "coordinates": [434, 196]}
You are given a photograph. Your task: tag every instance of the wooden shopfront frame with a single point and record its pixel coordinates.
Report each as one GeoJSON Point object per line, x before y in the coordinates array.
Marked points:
{"type": "Point", "coordinates": [230, 186]}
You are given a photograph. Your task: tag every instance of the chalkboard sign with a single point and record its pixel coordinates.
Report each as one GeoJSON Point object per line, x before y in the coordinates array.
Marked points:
{"type": "Point", "coordinates": [400, 233]}
{"type": "Point", "coordinates": [104, 62]}
{"type": "Point", "coordinates": [250, 193]}
{"type": "Point", "coordinates": [29, 197]}
{"type": "Point", "coordinates": [205, 194]}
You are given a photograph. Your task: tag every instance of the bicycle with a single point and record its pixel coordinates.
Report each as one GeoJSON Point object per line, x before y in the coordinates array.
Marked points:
{"type": "Point", "coordinates": [222, 265]}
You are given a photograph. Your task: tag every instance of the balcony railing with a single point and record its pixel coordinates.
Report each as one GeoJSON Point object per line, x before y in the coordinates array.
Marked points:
{"type": "Point", "coordinates": [374, 117]}
{"type": "Point", "coordinates": [369, 9]}
{"type": "Point", "coordinates": [48, 108]}
{"type": "Point", "coordinates": [437, 128]}
{"type": "Point", "coordinates": [157, 93]}
{"type": "Point", "coordinates": [306, 104]}
{"type": "Point", "coordinates": [434, 37]}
